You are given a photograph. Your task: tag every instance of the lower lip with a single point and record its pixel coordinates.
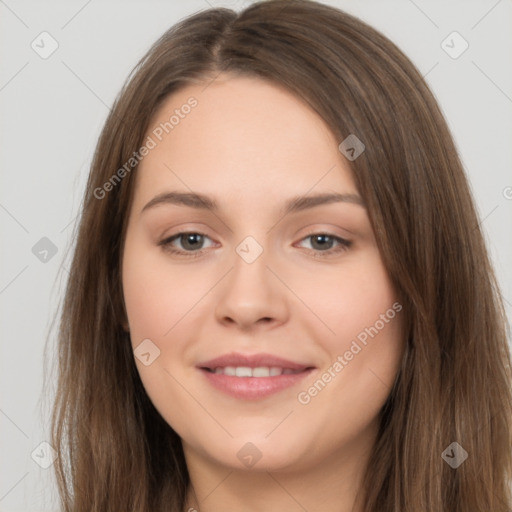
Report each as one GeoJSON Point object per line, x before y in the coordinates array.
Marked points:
{"type": "Point", "coordinates": [253, 388]}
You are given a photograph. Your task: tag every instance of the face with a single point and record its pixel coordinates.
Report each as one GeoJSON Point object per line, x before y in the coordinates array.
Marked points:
{"type": "Point", "coordinates": [265, 328]}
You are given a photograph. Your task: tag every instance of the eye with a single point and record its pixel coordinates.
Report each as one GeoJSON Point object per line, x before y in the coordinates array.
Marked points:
{"type": "Point", "coordinates": [322, 244]}
{"type": "Point", "coordinates": [191, 242]}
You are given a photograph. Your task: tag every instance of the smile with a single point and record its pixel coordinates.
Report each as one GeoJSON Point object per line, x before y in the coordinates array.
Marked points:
{"type": "Point", "coordinates": [253, 376]}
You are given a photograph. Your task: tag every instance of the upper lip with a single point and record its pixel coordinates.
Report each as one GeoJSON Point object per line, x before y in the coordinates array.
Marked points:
{"type": "Point", "coordinates": [252, 361]}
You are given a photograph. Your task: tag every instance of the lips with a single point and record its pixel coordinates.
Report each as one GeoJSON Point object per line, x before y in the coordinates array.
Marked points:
{"type": "Point", "coordinates": [253, 376]}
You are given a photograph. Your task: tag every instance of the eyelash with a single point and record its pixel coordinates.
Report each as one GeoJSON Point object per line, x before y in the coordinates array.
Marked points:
{"type": "Point", "coordinates": [343, 245]}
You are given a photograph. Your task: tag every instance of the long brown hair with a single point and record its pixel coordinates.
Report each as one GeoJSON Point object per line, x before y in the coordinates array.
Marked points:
{"type": "Point", "coordinates": [454, 384]}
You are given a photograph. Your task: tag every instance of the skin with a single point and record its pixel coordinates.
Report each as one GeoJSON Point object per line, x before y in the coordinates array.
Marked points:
{"type": "Point", "coordinates": [252, 145]}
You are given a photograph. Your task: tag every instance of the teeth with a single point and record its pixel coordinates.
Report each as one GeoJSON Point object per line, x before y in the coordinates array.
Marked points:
{"type": "Point", "coordinates": [261, 371]}
{"type": "Point", "coordinates": [243, 371]}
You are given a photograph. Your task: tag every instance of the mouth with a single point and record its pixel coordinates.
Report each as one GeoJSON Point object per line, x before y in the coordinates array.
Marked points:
{"type": "Point", "coordinates": [253, 377]}
{"type": "Point", "coordinates": [247, 371]}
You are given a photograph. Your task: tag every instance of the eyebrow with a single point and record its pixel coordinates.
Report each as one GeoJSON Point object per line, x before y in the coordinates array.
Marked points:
{"type": "Point", "coordinates": [204, 202]}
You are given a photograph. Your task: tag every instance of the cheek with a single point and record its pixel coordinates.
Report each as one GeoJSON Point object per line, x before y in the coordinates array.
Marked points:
{"type": "Point", "coordinates": [347, 300]}
{"type": "Point", "coordinates": [156, 293]}
{"type": "Point", "coordinates": [158, 301]}
{"type": "Point", "coordinates": [166, 303]}
{"type": "Point", "coordinates": [363, 345]}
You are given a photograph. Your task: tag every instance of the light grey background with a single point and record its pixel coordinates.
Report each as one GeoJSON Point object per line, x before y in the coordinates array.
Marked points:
{"type": "Point", "coordinates": [52, 111]}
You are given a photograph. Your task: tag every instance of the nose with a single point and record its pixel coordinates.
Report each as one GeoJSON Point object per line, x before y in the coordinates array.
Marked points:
{"type": "Point", "coordinates": [252, 295]}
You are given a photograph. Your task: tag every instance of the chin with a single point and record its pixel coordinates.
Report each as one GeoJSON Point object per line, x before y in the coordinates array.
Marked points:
{"type": "Point", "coordinates": [258, 454]}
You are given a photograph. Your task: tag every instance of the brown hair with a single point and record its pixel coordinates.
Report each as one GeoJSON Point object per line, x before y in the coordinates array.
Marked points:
{"type": "Point", "coordinates": [454, 384]}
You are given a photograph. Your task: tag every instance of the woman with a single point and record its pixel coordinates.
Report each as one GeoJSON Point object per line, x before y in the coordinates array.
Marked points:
{"type": "Point", "coordinates": [336, 340]}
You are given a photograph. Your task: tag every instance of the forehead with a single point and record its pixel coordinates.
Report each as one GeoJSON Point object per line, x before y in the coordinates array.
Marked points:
{"type": "Point", "coordinates": [242, 134]}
